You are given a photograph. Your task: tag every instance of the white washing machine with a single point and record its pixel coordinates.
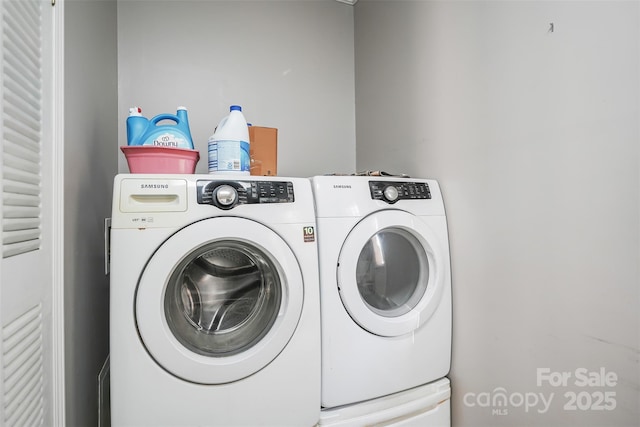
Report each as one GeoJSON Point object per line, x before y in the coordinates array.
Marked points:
{"type": "Point", "coordinates": [424, 406]}
{"type": "Point", "coordinates": [385, 286]}
{"type": "Point", "coordinates": [214, 302]}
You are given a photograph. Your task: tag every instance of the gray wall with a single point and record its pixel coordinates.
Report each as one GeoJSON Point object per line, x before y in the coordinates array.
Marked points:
{"type": "Point", "coordinates": [288, 63]}
{"type": "Point", "coordinates": [90, 165]}
{"type": "Point", "coordinates": [534, 138]}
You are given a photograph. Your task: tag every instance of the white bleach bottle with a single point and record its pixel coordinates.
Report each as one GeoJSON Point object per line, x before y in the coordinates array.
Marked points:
{"type": "Point", "coordinates": [229, 145]}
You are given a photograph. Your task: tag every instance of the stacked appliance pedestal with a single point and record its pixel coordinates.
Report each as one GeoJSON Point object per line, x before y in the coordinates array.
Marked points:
{"type": "Point", "coordinates": [424, 406]}
{"type": "Point", "coordinates": [385, 292]}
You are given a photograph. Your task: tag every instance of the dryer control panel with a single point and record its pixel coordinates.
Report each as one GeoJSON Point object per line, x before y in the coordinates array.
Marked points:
{"type": "Point", "coordinates": [226, 194]}
{"type": "Point", "coordinates": [392, 191]}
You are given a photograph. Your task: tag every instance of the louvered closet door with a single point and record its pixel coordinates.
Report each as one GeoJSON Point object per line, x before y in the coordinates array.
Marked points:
{"type": "Point", "coordinates": [26, 268]}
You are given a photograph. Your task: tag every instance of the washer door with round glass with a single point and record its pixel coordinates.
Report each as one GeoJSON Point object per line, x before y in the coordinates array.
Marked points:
{"type": "Point", "coordinates": [390, 273]}
{"type": "Point", "coordinates": [219, 300]}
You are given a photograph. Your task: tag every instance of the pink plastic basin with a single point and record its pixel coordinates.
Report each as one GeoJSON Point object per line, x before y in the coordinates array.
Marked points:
{"type": "Point", "coordinates": [151, 159]}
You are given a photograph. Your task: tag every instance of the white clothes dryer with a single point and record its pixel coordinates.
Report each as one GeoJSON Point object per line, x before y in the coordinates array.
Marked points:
{"type": "Point", "coordinates": [424, 406]}
{"type": "Point", "coordinates": [385, 286]}
{"type": "Point", "coordinates": [214, 302]}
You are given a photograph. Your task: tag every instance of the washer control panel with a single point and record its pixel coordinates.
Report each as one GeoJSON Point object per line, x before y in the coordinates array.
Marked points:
{"type": "Point", "coordinates": [227, 194]}
{"type": "Point", "coordinates": [392, 191]}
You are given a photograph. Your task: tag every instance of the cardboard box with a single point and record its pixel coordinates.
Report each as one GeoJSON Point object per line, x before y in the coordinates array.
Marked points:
{"type": "Point", "coordinates": [263, 150]}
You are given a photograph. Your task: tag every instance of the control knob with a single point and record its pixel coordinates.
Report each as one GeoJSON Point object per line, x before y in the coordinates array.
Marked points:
{"type": "Point", "coordinates": [226, 196]}
{"type": "Point", "coordinates": [390, 193]}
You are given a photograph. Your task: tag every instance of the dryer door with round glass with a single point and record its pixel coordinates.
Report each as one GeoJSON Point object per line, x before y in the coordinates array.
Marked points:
{"type": "Point", "coordinates": [390, 273]}
{"type": "Point", "coordinates": [219, 300]}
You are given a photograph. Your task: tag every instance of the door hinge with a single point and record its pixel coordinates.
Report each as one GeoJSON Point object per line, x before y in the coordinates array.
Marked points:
{"type": "Point", "coordinates": [53, 2]}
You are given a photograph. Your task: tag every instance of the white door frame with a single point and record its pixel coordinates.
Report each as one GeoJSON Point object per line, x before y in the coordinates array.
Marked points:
{"type": "Point", "coordinates": [58, 358]}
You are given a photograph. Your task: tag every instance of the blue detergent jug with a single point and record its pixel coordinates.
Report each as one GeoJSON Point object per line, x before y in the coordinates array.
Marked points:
{"type": "Point", "coordinates": [142, 131]}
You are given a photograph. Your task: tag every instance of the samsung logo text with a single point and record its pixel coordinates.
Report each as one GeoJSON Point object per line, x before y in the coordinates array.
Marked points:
{"type": "Point", "coordinates": [154, 186]}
